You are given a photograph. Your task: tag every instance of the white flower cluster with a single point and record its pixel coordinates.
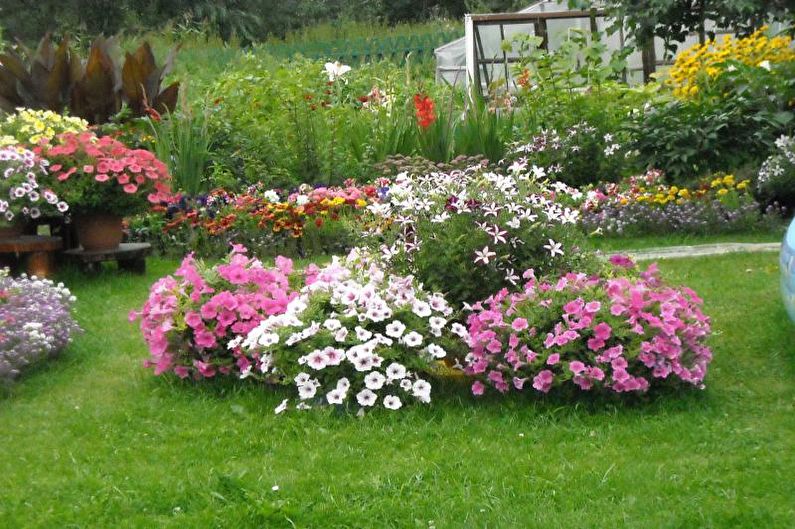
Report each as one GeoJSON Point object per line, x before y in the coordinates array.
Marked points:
{"type": "Point", "coordinates": [23, 192]}
{"type": "Point", "coordinates": [779, 163]}
{"type": "Point", "coordinates": [378, 332]}
{"type": "Point", "coordinates": [501, 205]}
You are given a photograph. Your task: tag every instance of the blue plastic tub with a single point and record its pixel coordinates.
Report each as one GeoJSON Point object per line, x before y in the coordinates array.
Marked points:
{"type": "Point", "coordinates": [788, 270]}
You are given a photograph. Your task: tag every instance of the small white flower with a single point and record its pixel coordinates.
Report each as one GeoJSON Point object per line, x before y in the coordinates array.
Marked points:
{"type": "Point", "coordinates": [341, 335]}
{"type": "Point", "coordinates": [332, 324]}
{"type": "Point", "coordinates": [374, 380]}
{"type": "Point", "coordinates": [395, 371]}
{"type": "Point", "coordinates": [391, 402]}
{"type": "Point", "coordinates": [280, 408]}
{"type": "Point", "coordinates": [436, 322]}
{"type": "Point", "coordinates": [335, 396]}
{"type": "Point", "coordinates": [436, 351]}
{"type": "Point", "coordinates": [363, 334]}
{"type": "Point", "coordinates": [316, 359]}
{"type": "Point", "coordinates": [366, 397]}
{"type": "Point", "coordinates": [301, 379]}
{"type": "Point", "coordinates": [275, 488]}
{"type": "Point", "coordinates": [363, 362]}
{"type": "Point", "coordinates": [422, 390]}
{"type": "Point", "coordinates": [421, 309]}
{"type": "Point", "coordinates": [412, 339]}
{"type": "Point", "coordinates": [395, 329]}
{"type": "Point", "coordinates": [307, 391]}
{"type": "Point", "coordinates": [765, 64]}
{"type": "Point", "coordinates": [343, 384]}
{"type": "Point", "coordinates": [267, 339]}
{"type": "Point", "coordinates": [554, 248]}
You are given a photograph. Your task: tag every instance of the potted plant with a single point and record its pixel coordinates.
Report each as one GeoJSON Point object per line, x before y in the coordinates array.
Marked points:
{"type": "Point", "coordinates": [22, 195]}
{"type": "Point", "coordinates": [103, 180]}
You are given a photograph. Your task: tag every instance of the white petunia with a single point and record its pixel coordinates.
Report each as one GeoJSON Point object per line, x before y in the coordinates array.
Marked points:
{"type": "Point", "coordinates": [362, 333]}
{"type": "Point", "coordinates": [395, 329]}
{"type": "Point", "coordinates": [341, 335]}
{"type": "Point", "coordinates": [335, 396]}
{"type": "Point", "coordinates": [436, 322]}
{"type": "Point", "coordinates": [307, 391]}
{"type": "Point", "coordinates": [374, 380]}
{"type": "Point", "coordinates": [316, 359]}
{"type": "Point", "coordinates": [343, 384]}
{"type": "Point", "coordinates": [391, 402]}
{"type": "Point", "coordinates": [366, 397]}
{"type": "Point", "coordinates": [332, 324]}
{"type": "Point", "coordinates": [436, 351]}
{"type": "Point", "coordinates": [459, 330]}
{"type": "Point", "coordinates": [301, 379]}
{"type": "Point", "coordinates": [421, 309]}
{"type": "Point", "coordinates": [412, 339]}
{"type": "Point", "coordinates": [395, 371]}
{"type": "Point", "coordinates": [405, 384]}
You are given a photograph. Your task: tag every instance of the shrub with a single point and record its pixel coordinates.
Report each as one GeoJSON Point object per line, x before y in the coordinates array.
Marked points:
{"type": "Point", "coordinates": [22, 180]}
{"type": "Point", "coordinates": [190, 316]}
{"type": "Point", "coordinates": [615, 332]}
{"type": "Point", "coordinates": [469, 233]}
{"type": "Point", "coordinates": [580, 156]}
{"type": "Point", "coordinates": [776, 180]}
{"type": "Point", "coordinates": [35, 321]}
{"type": "Point", "coordinates": [733, 121]}
{"type": "Point", "coordinates": [700, 63]}
{"type": "Point", "coordinates": [355, 334]}
{"type": "Point", "coordinates": [104, 175]}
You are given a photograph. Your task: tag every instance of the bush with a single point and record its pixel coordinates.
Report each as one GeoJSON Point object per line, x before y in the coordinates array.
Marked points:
{"type": "Point", "coordinates": [35, 321]}
{"type": "Point", "coordinates": [615, 332]}
{"type": "Point", "coordinates": [776, 180]}
{"type": "Point", "coordinates": [189, 317]}
{"type": "Point", "coordinates": [732, 121]}
{"type": "Point", "coordinates": [469, 233]}
{"type": "Point", "coordinates": [355, 331]}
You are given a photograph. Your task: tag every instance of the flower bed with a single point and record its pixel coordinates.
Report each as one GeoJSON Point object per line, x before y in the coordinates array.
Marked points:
{"type": "Point", "coordinates": [22, 192]}
{"type": "Point", "coordinates": [355, 334]}
{"type": "Point", "coordinates": [642, 205]}
{"type": "Point", "coordinates": [257, 217]}
{"type": "Point", "coordinates": [611, 332]}
{"type": "Point", "coordinates": [35, 322]}
{"type": "Point", "coordinates": [191, 316]}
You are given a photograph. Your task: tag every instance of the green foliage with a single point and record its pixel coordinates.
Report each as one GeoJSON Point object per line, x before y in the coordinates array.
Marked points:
{"type": "Point", "coordinates": [734, 121]}
{"type": "Point", "coordinates": [56, 79]}
{"type": "Point", "coordinates": [181, 140]}
{"type": "Point", "coordinates": [673, 20]}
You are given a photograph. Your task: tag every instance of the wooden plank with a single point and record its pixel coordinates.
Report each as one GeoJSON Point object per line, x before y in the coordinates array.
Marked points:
{"type": "Point", "coordinates": [498, 18]}
{"type": "Point", "coordinates": [30, 243]}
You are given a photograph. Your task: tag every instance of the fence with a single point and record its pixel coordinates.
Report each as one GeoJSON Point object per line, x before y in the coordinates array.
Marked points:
{"type": "Point", "coordinates": [360, 50]}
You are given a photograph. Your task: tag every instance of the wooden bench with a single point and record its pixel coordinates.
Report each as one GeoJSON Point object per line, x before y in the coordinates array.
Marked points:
{"type": "Point", "coordinates": [36, 251]}
{"type": "Point", "coordinates": [129, 256]}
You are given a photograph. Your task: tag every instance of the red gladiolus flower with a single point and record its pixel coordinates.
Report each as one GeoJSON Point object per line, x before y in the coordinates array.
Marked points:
{"type": "Point", "coordinates": [424, 110]}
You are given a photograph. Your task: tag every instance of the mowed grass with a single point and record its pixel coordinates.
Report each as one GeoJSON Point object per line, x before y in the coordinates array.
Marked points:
{"type": "Point", "coordinates": [94, 440]}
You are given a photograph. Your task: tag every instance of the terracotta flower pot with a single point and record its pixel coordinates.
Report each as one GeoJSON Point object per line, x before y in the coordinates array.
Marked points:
{"type": "Point", "coordinates": [99, 231]}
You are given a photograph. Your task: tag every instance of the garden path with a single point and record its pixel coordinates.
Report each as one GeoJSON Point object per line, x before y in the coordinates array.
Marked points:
{"type": "Point", "coordinates": [700, 250]}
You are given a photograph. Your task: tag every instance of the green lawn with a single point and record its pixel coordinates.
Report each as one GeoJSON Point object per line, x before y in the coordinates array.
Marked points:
{"type": "Point", "coordinates": [678, 239]}
{"type": "Point", "coordinates": [94, 440]}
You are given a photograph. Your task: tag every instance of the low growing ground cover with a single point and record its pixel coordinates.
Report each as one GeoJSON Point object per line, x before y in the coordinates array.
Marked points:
{"type": "Point", "coordinates": [96, 441]}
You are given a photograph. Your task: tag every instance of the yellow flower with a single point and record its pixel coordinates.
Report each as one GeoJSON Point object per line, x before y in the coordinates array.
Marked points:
{"type": "Point", "coordinates": [722, 192]}
{"type": "Point", "coordinates": [743, 184]}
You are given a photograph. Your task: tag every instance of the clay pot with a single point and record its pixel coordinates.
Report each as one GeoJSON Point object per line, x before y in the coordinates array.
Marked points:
{"type": "Point", "coordinates": [99, 231]}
